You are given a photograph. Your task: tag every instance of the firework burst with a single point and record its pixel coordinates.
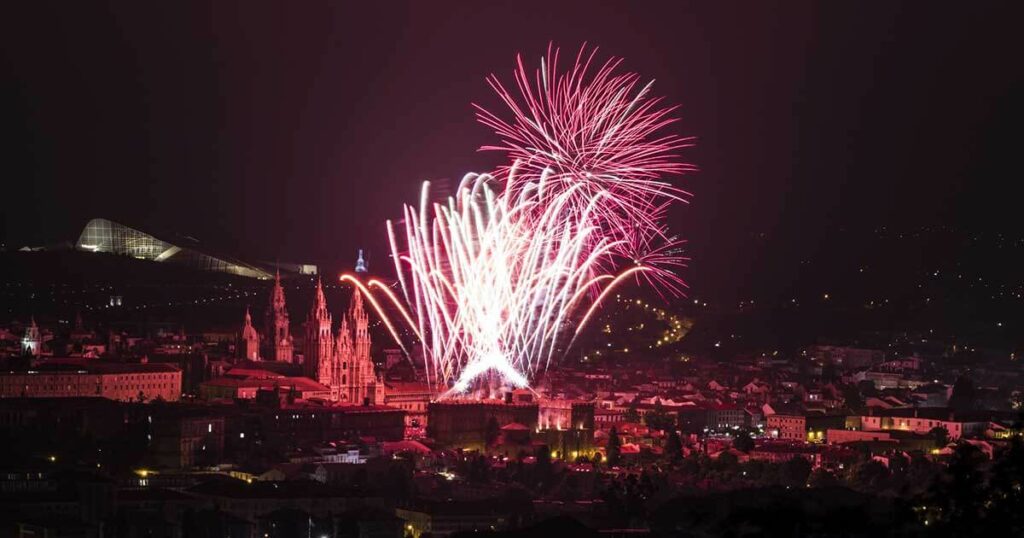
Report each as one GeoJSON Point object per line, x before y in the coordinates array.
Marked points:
{"type": "Point", "coordinates": [497, 280]}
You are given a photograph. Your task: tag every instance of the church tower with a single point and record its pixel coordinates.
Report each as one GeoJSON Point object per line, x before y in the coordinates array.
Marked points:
{"type": "Point", "coordinates": [360, 263]}
{"type": "Point", "coordinates": [318, 359]}
{"type": "Point", "coordinates": [343, 354]}
{"type": "Point", "coordinates": [361, 325]}
{"type": "Point", "coordinates": [276, 332]}
{"type": "Point", "coordinates": [249, 347]}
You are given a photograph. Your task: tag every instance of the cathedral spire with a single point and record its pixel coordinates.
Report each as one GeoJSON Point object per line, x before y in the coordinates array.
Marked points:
{"type": "Point", "coordinates": [250, 344]}
{"type": "Point", "coordinates": [355, 308]}
{"type": "Point", "coordinates": [321, 301]}
{"type": "Point", "coordinates": [277, 329]}
{"type": "Point", "coordinates": [360, 263]}
{"type": "Point", "coordinates": [318, 359]}
{"type": "Point", "coordinates": [344, 334]}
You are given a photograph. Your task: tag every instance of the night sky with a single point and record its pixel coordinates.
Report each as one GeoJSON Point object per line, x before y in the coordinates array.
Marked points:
{"type": "Point", "coordinates": [292, 130]}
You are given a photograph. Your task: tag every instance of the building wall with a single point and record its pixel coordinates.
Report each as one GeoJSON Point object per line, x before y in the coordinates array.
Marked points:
{"type": "Point", "coordinates": [919, 425]}
{"type": "Point", "coordinates": [295, 427]}
{"type": "Point", "coordinates": [414, 403]}
{"type": "Point", "coordinates": [463, 424]}
{"type": "Point", "coordinates": [838, 437]}
{"type": "Point", "coordinates": [727, 418]}
{"type": "Point", "coordinates": [184, 442]}
{"type": "Point", "coordinates": [120, 386]}
{"type": "Point", "coordinates": [790, 427]}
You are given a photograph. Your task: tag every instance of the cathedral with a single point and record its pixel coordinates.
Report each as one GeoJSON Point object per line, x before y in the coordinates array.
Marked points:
{"type": "Point", "coordinates": [339, 361]}
{"type": "Point", "coordinates": [342, 362]}
{"type": "Point", "coordinates": [249, 346]}
{"type": "Point", "coordinates": [278, 345]}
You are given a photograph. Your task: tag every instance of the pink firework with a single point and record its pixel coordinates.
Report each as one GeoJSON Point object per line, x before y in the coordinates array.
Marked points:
{"type": "Point", "coordinates": [497, 281]}
{"type": "Point", "coordinates": [595, 128]}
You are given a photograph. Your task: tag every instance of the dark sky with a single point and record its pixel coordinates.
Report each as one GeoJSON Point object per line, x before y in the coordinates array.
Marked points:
{"type": "Point", "coordinates": [291, 130]}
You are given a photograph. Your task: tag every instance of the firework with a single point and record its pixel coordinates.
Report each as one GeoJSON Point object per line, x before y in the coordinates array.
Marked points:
{"type": "Point", "coordinates": [497, 280]}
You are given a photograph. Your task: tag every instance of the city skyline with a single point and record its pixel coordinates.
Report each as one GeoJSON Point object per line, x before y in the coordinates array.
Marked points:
{"type": "Point", "coordinates": [511, 269]}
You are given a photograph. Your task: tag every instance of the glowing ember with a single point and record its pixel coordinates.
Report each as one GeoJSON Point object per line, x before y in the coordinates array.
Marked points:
{"type": "Point", "coordinates": [498, 280]}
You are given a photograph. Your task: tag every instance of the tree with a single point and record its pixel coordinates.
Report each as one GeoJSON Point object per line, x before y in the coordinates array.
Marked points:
{"type": "Point", "coordinates": [614, 448]}
{"type": "Point", "coordinates": [869, 475]}
{"type": "Point", "coordinates": [829, 372]}
{"type": "Point", "coordinates": [960, 494]}
{"type": "Point", "coordinates": [852, 397]}
{"type": "Point", "coordinates": [795, 472]}
{"type": "Point", "coordinates": [658, 418]}
{"type": "Point", "coordinates": [293, 394]}
{"type": "Point", "coordinates": [964, 396]}
{"type": "Point", "coordinates": [631, 414]}
{"type": "Point", "coordinates": [743, 442]}
{"type": "Point", "coordinates": [690, 465]}
{"type": "Point", "coordinates": [1007, 488]}
{"type": "Point", "coordinates": [727, 463]}
{"type": "Point", "coordinates": [543, 462]}
{"type": "Point", "coordinates": [822, 478]}
{"type": "Point", "coordinates": [673, 447]}
{"type": "Point", "coordinates": [479, 469]}
{"type": "Point", "coordinates": [941, 436]}
{"type": "Point", "coordinates": [492, 432]}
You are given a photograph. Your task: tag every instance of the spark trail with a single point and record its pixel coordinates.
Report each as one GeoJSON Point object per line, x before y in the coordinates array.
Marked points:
{"type": "Point", "coordinates": [497, 280]}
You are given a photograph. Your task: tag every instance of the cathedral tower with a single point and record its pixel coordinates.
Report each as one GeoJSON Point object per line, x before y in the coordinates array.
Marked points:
{"type": "Point", "coordinates": [276, 332]}
{"type": "Point", "coordinates": [358, 382]}
{"type": "Point", "coordinates": [361, 326]}
{"type": "Point", "coordinates": [249, 347]}
{"type": "Point", "coordinates": [343, 350]}
{"type": "Point", "coordinates": [319, 358]}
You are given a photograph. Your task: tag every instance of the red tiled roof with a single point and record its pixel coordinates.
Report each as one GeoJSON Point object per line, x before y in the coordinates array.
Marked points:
{"type": "Point", "coordinates": [252, 373]}
{"type": "Point", "coordinates": [300, 383]}
{"type": "Point", "coordinates": [407, 386]}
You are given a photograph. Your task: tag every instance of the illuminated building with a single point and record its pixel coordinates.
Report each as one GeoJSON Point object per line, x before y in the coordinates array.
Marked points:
{"type": "Point", "coordinates": [318, 356]}
{"type": "Point", "coordinates": [245, 384]}
{"type": "Point", "coordinates": [922, 420]}
{"type": "Point", "coordinates": [277, 335]}
{"type": "Point", "coordinates": [249, 346]}
{"type": "Point", "coordinates": [411, 397]}
{"type": "Point", "coordinates": [102, 235]}
{"type": "Point", "coordinates": [342, 363]}
{"type": "Point", "coordinates": [463, 423]}
{"type": "Point", "coordinates": [567, 428]}
{"type": "Point", "coordinates": [123, 382]}
{"type": "Point", "coordinates": [779, 452]}
{"type": "Point", "coordinates": [787, 422]}
{"type": "Point", "coordinates": [358, 380]}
